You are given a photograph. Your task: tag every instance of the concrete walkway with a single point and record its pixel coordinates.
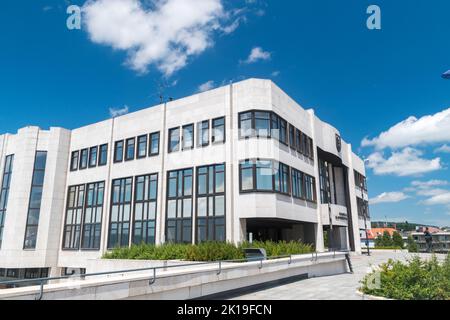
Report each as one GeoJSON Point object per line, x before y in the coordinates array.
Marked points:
{"type": "Point", "coordinates": [339, 287]}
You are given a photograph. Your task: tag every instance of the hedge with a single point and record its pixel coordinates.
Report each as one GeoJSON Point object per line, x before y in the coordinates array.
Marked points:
{"type": "Point", "coordinates": [414, 280]}
{"type": "Point", "coordinates": [205, 251]}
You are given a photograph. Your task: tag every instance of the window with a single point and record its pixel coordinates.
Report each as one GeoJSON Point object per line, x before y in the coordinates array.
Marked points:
{"type": "Point", "coordinates": [311, 148]}
{"type": "Point", "coordinates": [154, 144]}
{"type": "Point", "coordinates": [310, 188]}
{"type": "Point", "coordinates": [74, 161]}
{"type": "Point", "coordinates": [360, 180]}
{"type": "Point", "coordinates": [246, 175]}
{"type": "Point", "coordinates": [292, 140]}
{"type": "Point", "coordinates": [275, 129]}
{"type": "Point", "coordinates": [245, 125]}
{"type": "Point", "coordinates": [203, 133]}
{"type": "Point", "coordinates": [325, 196]}
{"type": "Point", "coordinates": [34, 204]}
{"type": "Point", "coordinates": [281, 178]}
{"type": "Point", "coordinates": [283, 131]}
{"type": "Point", "coordinates": [363, 208]}
{"type": "Point", "coordinates": [84, 159]}
{"type": "Point", "coordinates": [174, 140]}
{"type": "Point", "coordinates": [142, 147]}
{"type": "Point", "coordinates": [211, 203]}
{"type": "Point", "coordinates": [93, 157]}
{"type": "Point", "coordinates": [264, 175]}
{"type": "Point", "coordinates": [179, 206]}
{"type": "Point", "coordinates": [188, 137]}
{"type": "Point", "coordinates": [298, 141]}
{"type": "Point", "coordinates": [118, 151]}
{"type": "Point", "coordinates": [144, 224]}
{"type": "Point", "coordinates": [119, 225]}
{"type": "Point", "coordinates": [74, 213]}
{"type": "Point", "coordinates": [130, 149]}
{"type": "Point", "coordinates": [218, 130]}
{"type": "Point", "coordinates": [262, 124]}
{"type": "Point", "coordinates": [4, 192]}
{"type": "Point", "coordinates": [92, 219]}
{"type": "Point", "coordinates": [297, 184]}
{"type": "Point", "coordinates": [103, 155]}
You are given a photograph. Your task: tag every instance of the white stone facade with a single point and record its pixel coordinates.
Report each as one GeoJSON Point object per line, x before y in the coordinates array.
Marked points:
{"type": "Point", "coordinates": [301, 219]}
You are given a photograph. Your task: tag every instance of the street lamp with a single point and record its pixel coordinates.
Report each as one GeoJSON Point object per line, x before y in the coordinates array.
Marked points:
{"type": "Point", "coordinates": [364, 215]}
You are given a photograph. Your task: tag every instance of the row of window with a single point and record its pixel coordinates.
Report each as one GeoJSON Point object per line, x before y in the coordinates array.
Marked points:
{"type": "Point", "coordinates": [89, 157]}
{"type": "Point", "coordinates": [4, 192]}
{"type": "Point", "coordinates": [267, 124]}
{"type": "Point", "coordinates": [136, 147]}
{"type": "Point", "coordinates": [183, 137]}
{"type": "Point", "coordinates": [273, 176]}
{"type": "Point", "coordinates": [363, 207]}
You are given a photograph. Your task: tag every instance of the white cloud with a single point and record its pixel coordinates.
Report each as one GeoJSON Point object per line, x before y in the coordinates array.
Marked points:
{"type": "Point", "coordinates": [275, 73]}
{"type": "Point", "coordinates": [386, 197]}
{"type": "Point", "coordinates": [431, 192]}
{"type": "Point", "coordinates": [429, 183]}
{"type": "Point", "coordinates": [47, 8]}
{"type": "Point", "coordinates": [258, 54]}
{"type": "Point", "coordinates": [440, 199]}
{"type": "Point", "coordinates": [161, 33]}
{"type": "Point", "coordinates": [117, 112]}
{"type": "Point", "coordinates": [427, 130]}
{"type": "Point", "coordinates": [206, 86]}
{"type": "Point", "coordinates": [444, 149]}
{"type": "Point", "coordinates": [407, 162]}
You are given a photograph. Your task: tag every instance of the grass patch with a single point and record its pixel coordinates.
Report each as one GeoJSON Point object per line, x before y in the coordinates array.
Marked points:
{"type": "Point", "coordinates": [205, 251]}
{"type": "Point", "coordinates": [414, 280]}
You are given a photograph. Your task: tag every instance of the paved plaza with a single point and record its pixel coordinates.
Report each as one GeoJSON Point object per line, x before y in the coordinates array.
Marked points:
{"type": "Point", "coordinates": [338, 287]}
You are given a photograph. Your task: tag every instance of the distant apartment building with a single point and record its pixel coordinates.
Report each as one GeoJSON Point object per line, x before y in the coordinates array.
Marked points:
{"type": "Point", "coordinates": [219, 165]}
{"type": "Point", "coordinates": [440, 244]}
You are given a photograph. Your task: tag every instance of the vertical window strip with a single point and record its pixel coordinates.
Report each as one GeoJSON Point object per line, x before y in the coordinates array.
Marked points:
{"type": "Point", "coordinates": [145, 206]}
{"type": "Point", "coordinates": [120, 216]}
{"type": "Point", "coordinates": [4, 192]}
{"type": "Point", "coordinates": [74, 216]}
{"type": "Point", "coordinates": [211, 203]}
{"type": "Point", "coordinates": [179, 206]}
{"type": "Point", "coordinates": [218, 130]}
{"type": "Point", "coordinates": [154, 144]}
{"type": "Point", "coordinates": [92, 216]}
{"type": "Point", "coordinates": [34, 204]}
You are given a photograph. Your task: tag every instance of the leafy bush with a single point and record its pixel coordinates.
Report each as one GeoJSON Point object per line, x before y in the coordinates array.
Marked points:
{"type": "Point", "coordinates": [397, 240]}
{"type": "Point", "coordinates": [412, 245]}
{"type": "Point", "coordinates": [205, 251]}
{"type": "Point", "coordinates": [415, 280]}
{"type": "Point", "coordinates": [388, 248]}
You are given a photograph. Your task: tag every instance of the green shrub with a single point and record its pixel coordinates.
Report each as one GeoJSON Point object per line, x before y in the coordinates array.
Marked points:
{"type": "Point", "coordinates": [205, 251]}
{"type": "Point", "coordinates": [412, 245]}
{"type": "Point", "coordinates": [415, 280]}
{"type": "Point", "coordinates": [388, 248]}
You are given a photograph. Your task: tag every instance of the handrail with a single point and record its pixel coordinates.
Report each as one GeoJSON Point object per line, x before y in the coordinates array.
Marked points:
{"type": "Point", "coordinates": [42, 281]}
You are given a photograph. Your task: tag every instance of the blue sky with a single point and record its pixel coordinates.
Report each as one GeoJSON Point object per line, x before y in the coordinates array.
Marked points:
{"type": "Point", "coordinates": [321, 53]}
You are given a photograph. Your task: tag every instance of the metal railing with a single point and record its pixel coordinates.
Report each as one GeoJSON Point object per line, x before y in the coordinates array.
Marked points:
{"type": "Point", "coordinates": [152, 280]}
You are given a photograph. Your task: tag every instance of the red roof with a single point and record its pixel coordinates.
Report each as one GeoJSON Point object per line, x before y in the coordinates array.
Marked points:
{"type": "Point", "coordinates": [375, 232]}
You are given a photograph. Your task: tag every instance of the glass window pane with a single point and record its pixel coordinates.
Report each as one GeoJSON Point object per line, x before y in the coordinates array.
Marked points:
{"type": "Point", "coordinates": [219, 206]}
{"type": "Point", "coordinates": [264, 173]}
{"type": "Point", "coordinates": [201, 209]}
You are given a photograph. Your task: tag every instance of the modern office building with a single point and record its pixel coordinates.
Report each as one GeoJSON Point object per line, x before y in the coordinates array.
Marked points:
{"type": "Point", "coordinates": [440, 244]}
{"type": "Point", "coordinates": [244, 159]}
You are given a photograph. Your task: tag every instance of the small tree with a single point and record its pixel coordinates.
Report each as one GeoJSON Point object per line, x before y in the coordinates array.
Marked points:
{"type": "Point", "coordinates": [397, 239]}
{"type": "Point", "coordinates": [379, 241]}
{"type": "Point", "coordinates": [412, 245]}
{"type": "Point", "coordinates": [387, 240]}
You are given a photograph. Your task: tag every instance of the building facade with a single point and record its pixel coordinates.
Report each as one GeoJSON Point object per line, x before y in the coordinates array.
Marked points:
{"type": "Point", "coordinates": [440, 244]}
{"type": "Point", "coordinates": [240, 161]}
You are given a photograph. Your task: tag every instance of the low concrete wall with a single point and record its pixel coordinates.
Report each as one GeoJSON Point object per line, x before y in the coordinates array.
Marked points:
{"type": "Point", "coordinates": [104, 265]}
{"type": "Point", "coordinates": [194, 282]}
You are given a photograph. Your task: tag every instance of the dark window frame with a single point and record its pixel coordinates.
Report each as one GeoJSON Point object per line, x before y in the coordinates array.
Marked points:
{"type": "Point", "coordinates": [122, 203]}
{"type": "Point", "coordinates": [208, 195]}
{"type": "Point", "coordinates": [132, 155]}
{"type": "Point", "coordinates": [95, 206]}
{"type": "Point", "coordinates": [4, 191]}
{"type": "Point", "coordinates": [275, 122]}
{"type": "Point", "coordinates": [90, 164]}
{"type": "Point", "coordinates": [180, 198]}
{"type": "Point", "coordinates": [100, 155]}
{"type": "Point", "coordinates": [200, 133]}
{"type": "Point", "coordinates": [83, 166]}
{"type": "Point", "coordinates": [74, 160]}
{"type": "Point", "coordinates": [150, 151]}
{"type": "Point", "coordinates": [138, 146]}
{"type": "Point", "coordinates": [145, 202]}
{"type": "Point", "coordinates": [183, 139]}
{"type": "Point", "coordinates": [213, 127]}
{"type": "Point", "coordinates": [292, 137]}
{"type": "Point", "coordinates": [169, 140]}
{"type": "Point", "coordinates": [115, 154]}
{"type": "Point", "coordinates": [73, 246]}
{"type": "Point", "coordinates": [34, 187]}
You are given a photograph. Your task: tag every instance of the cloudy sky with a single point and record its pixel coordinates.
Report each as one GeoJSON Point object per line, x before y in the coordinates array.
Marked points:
{"type": "Point", "coordinates": [381, 88]}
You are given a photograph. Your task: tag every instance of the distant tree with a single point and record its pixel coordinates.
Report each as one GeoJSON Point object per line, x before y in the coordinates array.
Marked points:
{"type": "Point", "coordinates": [397, 239]}
{"type": "Point", "coordinates": [412, 245]}
{"type": "Point", "coordinates": [379, 241]}
{"type": "Point", "coordinates": [387, 240]}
